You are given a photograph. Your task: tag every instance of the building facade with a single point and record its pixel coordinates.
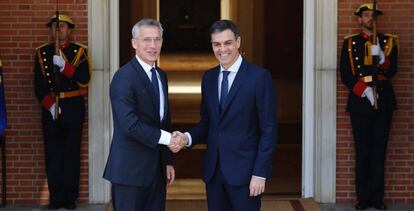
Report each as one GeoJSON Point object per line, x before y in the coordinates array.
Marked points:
{"type": "Point", "coordinates": [327, 145]}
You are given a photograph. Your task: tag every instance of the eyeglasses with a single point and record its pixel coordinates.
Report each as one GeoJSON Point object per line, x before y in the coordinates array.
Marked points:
{"type": "Point", "coordinates": [148, 40]}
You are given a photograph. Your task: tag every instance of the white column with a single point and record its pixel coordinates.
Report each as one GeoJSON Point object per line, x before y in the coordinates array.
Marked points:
{"type": "Point", "coordinates": [325, 130]}
{"type": "Point", "coordinates": [319, 113]}
{"type": "Point", "coordinates": [308, 102]}
{"type": "Point", "coordinates": [104, 52]}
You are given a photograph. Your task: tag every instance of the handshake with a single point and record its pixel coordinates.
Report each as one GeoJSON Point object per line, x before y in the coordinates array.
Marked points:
{"type": "Point", "coordinates": [178, 141]}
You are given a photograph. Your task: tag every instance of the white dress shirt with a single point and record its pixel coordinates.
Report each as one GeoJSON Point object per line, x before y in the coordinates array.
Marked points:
{"type": "Point", "coordinates": [165, 136]}
{"type": "Point", "coordinates": [233, 69]}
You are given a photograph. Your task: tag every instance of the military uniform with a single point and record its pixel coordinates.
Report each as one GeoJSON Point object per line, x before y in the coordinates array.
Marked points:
{"type": "Point", "coordinates": [62, 137]}
{"type": "Point", "coordinates": [370, 126]}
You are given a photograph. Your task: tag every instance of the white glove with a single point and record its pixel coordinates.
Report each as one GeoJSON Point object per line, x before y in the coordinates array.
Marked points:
{"type": "Point", "coordinates": [369, 93]}
{"type": "Point", "coordinates": [377, 51]}
{"type": "Point", "coordinates": [59, 61]}
{"type": "Point", "coordinates": [52, 111]}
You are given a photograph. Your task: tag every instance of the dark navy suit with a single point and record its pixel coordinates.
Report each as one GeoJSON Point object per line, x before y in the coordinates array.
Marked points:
{"type": "Point", "coordinates": [136, 161]}
{"type": "Point", "coordinates": [240, 139]}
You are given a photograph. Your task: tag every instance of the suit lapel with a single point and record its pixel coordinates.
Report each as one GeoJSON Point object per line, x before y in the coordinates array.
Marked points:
{"type": "Point", "coordinates": [214, 90]}
{"type": "Point", "coordinates": [147, 84]}
{"type": "Point", "coordinates": [237, 83]}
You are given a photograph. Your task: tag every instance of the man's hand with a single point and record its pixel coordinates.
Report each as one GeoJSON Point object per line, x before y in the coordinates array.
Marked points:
{"type": "Point", "coordinates": [52, 111]}
{"type": "Point", "coordinates": [257, 186]}
{"type": "Point", "coordinates": [377, 51]}
{"type": "Point", "coordinates": [59, 61]}
{"type": "Point", "coordinates": [369, 93]}
{"type": "Point", "coordinates": [178, 141]}
{"type": "Point", "coordinates": [170, 175]}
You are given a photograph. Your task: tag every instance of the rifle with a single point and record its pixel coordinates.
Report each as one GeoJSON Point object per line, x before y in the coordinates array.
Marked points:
{"type": "Point", "coordinates": [375, 59]}
{"type": "Point", "coordinates": [56, 69]}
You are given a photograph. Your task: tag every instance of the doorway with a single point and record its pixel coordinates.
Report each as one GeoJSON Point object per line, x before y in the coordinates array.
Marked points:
{"type": "Point", "coordinates": [271, 37]}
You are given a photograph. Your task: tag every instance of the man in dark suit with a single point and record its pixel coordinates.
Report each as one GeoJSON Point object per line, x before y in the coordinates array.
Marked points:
{"type": "Point", "coordinates": [238, 119]}
{"type": "Point", "coordinates": [370, 125]}
{"type": "Point", "coordinates": [140, 164]}
{"type": "Point", "coordinates": [61, 80]}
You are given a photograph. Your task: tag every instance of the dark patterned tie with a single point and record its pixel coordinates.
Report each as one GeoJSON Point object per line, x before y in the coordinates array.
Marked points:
{"type": "Point", "coordinates": [224, 89]}
{"type": "Point", "coordinates": [154, 81]}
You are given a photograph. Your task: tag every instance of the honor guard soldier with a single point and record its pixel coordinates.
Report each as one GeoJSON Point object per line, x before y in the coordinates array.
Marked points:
{"type": "Point", "coordinates": [61, 78]}
{"type": "Point", "coordinates": [370, 117]}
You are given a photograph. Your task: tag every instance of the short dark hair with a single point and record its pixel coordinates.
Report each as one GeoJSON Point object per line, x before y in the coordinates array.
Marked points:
{"type": "Point", "coordinates": [222, 25]}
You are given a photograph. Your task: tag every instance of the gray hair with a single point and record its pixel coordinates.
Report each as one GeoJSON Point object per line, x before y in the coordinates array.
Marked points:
{"type": "Point", "coordinates": [146, 22]}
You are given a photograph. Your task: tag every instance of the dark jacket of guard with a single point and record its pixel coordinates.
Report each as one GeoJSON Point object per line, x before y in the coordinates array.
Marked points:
{"type": "Point", "coordinates": [370, 126]}
{"type": "Point", "coordinates": [62, 138]}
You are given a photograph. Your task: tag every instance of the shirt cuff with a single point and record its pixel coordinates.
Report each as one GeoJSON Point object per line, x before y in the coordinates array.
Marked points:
{"type": "Point", "coordinates": [262, 178]}
{"type": "Point", "coordinates": [190, 140]}
{"type": "Point", "coordinates": [165, 138]}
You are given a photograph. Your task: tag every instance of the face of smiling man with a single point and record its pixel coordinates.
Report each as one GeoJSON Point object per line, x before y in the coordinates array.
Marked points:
{"type": "Point", "coordinates": [225, 47]}
{"type": "Point", "coordinates": [147, 44]}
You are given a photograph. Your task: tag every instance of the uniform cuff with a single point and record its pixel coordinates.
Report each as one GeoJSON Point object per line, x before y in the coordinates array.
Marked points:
{"type": "Point", "coordinates": [48, 101]}
{"type": "Point", "coordinates": [359, 88]}
{"type": "Point", "coordinates": [69, 70]}
{"type": "Point", "coordinates": [386, 64]}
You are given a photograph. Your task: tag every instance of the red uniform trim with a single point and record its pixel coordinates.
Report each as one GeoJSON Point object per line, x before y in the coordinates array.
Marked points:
{"type": "Point", "coordinates": [351, 57]}
{"type": "Point", "coordinates": [69, 70]}
{"type": "Point", "coordinates": [48, 101]}
{"type": "Point", "coordinates": [65, 44]}
{"type": "Point", "coordinates": [386, 64]}
{"type": "Point", "coordinates": [359, 88]}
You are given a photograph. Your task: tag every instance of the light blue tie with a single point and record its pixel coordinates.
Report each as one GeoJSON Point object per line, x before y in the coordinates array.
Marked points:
{"type": "Point", "coordinates": [224, 89]}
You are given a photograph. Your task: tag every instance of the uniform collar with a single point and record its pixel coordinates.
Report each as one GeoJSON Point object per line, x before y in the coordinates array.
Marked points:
{"type": "Point", "coordinates": [366, 36]}
{"type": "Point", "coordinates": [64, 44]}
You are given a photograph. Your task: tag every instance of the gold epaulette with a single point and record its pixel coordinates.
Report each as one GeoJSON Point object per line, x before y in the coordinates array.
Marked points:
{"type": "Point", "coordinates": [41, 46]}
{"type": "Point", "coordinates": [81, 45]}
{"type": "Point", "coordinates": [392, 41]}
{"type": "Point", "coordinates": [350, 35]}
{"type": "Point", "coordinates": [392, 35]}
